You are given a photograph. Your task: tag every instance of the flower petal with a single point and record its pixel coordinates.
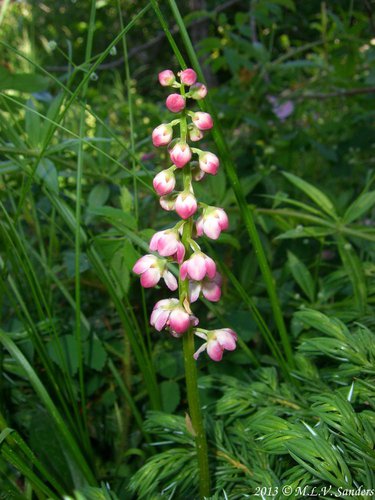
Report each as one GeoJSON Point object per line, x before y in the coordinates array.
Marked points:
{"type": "Point", "coordinates": [214, 350]}
{"type": "Point", "coordinates": [170, 280]}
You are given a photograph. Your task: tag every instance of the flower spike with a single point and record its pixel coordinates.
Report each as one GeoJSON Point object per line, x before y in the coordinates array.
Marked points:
{"type": "Point", "coordinates": [198, 275]}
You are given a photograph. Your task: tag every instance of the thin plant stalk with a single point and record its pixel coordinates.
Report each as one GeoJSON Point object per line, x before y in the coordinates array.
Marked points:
{"type": "Point", "coordinates": [78, 242]}
{"type": "Point", "coordinates": [191, 374]}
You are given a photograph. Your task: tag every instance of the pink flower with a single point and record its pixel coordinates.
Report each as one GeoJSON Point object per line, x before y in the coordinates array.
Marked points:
{"type": "Point", "coordinates": [164, 182]}
{"type": "Point", "coordinates": [282, 111]}
{"type": "Point", "coordinates": [217, 342]}
{"type": "Point", "coordinates": [203, 121]}
{"type": "Point", "coordinates": [151, 269]}
{"type": "Point", "coordinates": [197, 267]}
{"type": "Point", "coordinates": [186, 204]}
{"type": "Point", "coordinates": [162, 135]}
{"type": "Point", "coordinates": [209, 163]}
{"type": "Point", "coordinates": [166, 78]}
{"type": "Point", "coordinates": [180, 154]}
{"type": "Point", "coordinates": [188, 76]}
{"type": "Point", "coordinates": [195, 134]}
{"type": "Point", "coordinates": [175, 103]}
{"type": "Point", "coordinates": [168, 203]}
{"type": "Point", "coordinates": [211, 289]}
{"type": "Point", "coordinates": [167, 244]}
{"type": "Point", "coordinates": [212, 222]}
{"type": "Point", "coordinates": [169, 313]}
{"type": "Point", "coordinates": [198, 91]}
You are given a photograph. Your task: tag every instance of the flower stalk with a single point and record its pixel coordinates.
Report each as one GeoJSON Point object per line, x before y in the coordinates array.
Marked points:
{"type": "Point", "coordinates": [197, 271]}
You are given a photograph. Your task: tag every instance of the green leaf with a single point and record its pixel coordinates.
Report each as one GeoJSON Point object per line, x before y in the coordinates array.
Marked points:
{"type": "Point", "coordinates": [45, 443]}
{"type": "Point", "coordinates": [353, 267]}
{"type": "Point", "coordinates": [116, 216]}
{"type": "Point", "coordinates": [359, 207]}
{"type": "Point", "coordinates": [33, 125]}
{"type": "Point", "coordinates": [69, 262]}
{"type": "Point", "coordinates": [305, 232]}
{"type": "Point", "coordinates": [24, 82]}
{"type": "Point", "coordinates": [95, 354]}
{"type": "Point", "coordinates": [120, 268]}
{"type": "Point", "coordinates": [170, 395]}
{"type": "Point", "coordinates": [81, 466]}
{"type": "Point", "coordinates": [98, 196]}
{"type": "Point", "coordinates": [63, 351]}
{"type": "Point", "coordinates": [166, 364]}
{"type": "Point", "coordinates": [302, 275]}
{"type": "Point", "coordinates": [46, 172]}
{"type": "Point", "coordinates": [313, 193]}
{"type": "Point", "coordinates": [321, 322]}
{"type": "Point", "coordinates": [126, 199]}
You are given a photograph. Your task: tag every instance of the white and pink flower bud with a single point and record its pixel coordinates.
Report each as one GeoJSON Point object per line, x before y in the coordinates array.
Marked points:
{"type": "Point", "coordinates": [188, 76]}
{"type": "Point", "coordinates": [209, 163]}
{"type": "Point", "coordinates": [212, 222]}
{"type": "Point", "coordinates": [169, 313]}
{"type": "Point", "coordinates": [198, 91]}
{"type": "Point", "coordinates": [195, 134]}
{"type": "Point", "coordinates": [180, 154]}
{"type": "Point", "coordinates": [168, 203]}
{"type": "Point", "coordinates": [175, 103]}
{"type": "Point", "coordinates": [202, 120]}
{"type": "Point", "coordinates": [151, 269]}
{"type": "Point", "coordinates": [186, 204]}
{"type": "Point", "coordinates": [162, 135]}
{"type": "Point", "coordinates": [210, 288]}
{"type": "Point", "coordinates": [217, 342]}
{"type": "Point", "coordinates": [166, 78]}
{"type": "Point", "coordinates": [167, 244]}
{"type": "Point", "coordinates": [197, 267]}
{"type": "Point", "coordinates": [164, 182]}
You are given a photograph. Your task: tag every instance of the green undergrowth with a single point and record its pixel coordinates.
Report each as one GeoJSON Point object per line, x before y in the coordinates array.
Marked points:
{"type": "Point", "coordinates": [265, 433]}
{"type": "Point", "coordinates": [92, 400]}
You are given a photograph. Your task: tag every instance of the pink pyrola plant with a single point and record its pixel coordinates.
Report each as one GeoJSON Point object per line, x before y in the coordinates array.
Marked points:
{"type": "Point", "coordinates": [198, 276]}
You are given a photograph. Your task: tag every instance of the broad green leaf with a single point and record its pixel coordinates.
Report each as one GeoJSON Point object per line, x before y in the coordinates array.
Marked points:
{"type": "Point", "coordinates": [120, 268]}
{"type": "Point", "coordinates": [313, 193]}
{"type": "Point", "coordinates": [24, 82]}
{"type": "Point", "coordinates": [359, 207]}
{"type": "Point", "coordinates": [166, 364]}
{"type": "Point", "coordinates": [126, 199]}
{"type": "Point", "coordinates": [98, 196]}
{"type": "Point", "coordinates": [95, 354]}
{"type": "Point", "coordinates": [170, 395]}
{"type": "Point", "coordinates": [302, 275]}
{"type": "Point", "coordinates": [63, 351]}
{"type": "Point", "coordinates": [116, 216]}
{"type": "Point", "coordinates": [46, 172]}
{"type": "Point", "coordinates": [69, 262]}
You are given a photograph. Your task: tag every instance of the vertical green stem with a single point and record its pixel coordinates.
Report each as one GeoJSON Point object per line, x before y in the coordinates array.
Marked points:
{"type": "Point", "coordinates": [78, 241]}
{"type": "Point", "coordinates": [191, 374]}
{"type": "Point", "coordinates": [196, 414]}
{"type": "Point", "coordinates": [131, 114]}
